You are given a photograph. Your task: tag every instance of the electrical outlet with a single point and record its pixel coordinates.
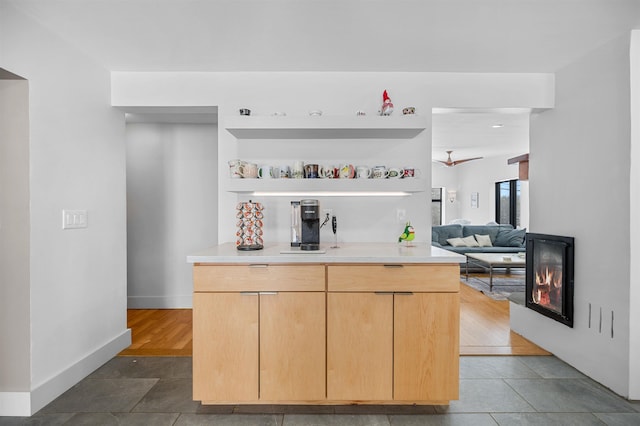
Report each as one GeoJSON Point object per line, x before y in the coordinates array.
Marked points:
{"type": "Point", "coordinates": [74, 219]}
{"type": "Point", "coordinates": [401, 215]}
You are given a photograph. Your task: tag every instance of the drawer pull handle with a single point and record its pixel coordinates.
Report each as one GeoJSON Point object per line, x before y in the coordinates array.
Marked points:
{"type": "Point", "coordinates": [249, 293]}
{"type": "Point", "coordinates": [258, 265]}
{"type": "Point", "coordinates": [403, 293]}
{"type": "Point", "coordinates": [393, 266]}
{"type": "Point", "coordinates": [268, 293]}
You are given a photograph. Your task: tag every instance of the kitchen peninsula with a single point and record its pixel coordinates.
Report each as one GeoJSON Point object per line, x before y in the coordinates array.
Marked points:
{"type": "Point", "coordinates": [366, 323]}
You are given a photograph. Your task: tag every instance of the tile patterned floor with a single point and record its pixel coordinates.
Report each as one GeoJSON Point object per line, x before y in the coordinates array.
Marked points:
{"type": "Point", "coordinates": [493, 391]}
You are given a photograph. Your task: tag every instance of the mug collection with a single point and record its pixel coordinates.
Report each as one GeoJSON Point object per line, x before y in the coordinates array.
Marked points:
{"type": "Point", "coordinates": [239, 169]}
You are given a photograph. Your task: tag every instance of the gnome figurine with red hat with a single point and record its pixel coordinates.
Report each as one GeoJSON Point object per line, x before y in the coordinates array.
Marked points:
{"type": "Point", "coordinates": [387, 106]}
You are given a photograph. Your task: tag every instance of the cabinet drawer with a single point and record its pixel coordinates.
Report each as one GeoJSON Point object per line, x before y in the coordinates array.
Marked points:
{"type": "Point", "coordinates": [417, 278]}
{"type": "Point", "coordinates": [258, 278]}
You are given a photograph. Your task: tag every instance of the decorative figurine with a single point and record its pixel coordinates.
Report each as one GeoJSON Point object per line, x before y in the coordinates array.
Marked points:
{"type": "Point", "coordinates": [387, 106]}
{"type": "Point", "coordinates": [408, 234]}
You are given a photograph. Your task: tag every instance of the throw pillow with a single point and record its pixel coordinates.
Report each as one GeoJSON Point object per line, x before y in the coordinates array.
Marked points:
{"type": "Point", "coordinates": [470, 241]}
{"type": "Point", "coordinates": [456, 242]}
{"type": "Point", "coordinates": [483, 240]}
{"type": "Point", "coordinates": [491, 231]}
{"type": "Point", "coordinates": [511, 238]}
{"type": "Point", "coordinates": [502, 238]}
{"type": "Point", "coordinates": [516, 238]}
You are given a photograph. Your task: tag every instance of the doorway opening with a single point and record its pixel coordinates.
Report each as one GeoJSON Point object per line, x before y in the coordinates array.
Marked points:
{"type": "Point", "coordinates": [470, 152]}
{"type": "Point", "coordinates": [172, 201]}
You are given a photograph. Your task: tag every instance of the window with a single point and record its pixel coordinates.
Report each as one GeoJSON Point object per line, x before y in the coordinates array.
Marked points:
{"type": "Point", "coordinates": [508, 202]}
{"type": "Point", "coordinates": [436, 206]}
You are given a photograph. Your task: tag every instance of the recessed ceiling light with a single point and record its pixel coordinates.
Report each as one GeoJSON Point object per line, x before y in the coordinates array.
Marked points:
{"type": "Point", "coordinates": [497, 126]}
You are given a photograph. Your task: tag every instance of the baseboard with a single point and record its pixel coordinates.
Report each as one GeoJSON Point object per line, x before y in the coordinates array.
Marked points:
{"type": "Point", "coordinates": [160, 302]}
{"type": "Point", "coordinates": [25, 404]}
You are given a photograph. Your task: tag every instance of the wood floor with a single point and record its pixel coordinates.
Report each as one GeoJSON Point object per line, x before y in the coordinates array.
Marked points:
{"type": "Point", "coordinates": [484, 330]}
{"type": "Point", "coordinates": [159, 332]}
{"type": "Point", "coordinates": [484, 327]}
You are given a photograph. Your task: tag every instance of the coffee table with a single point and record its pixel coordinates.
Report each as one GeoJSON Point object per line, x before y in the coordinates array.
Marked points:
{"type": "Point", "coordinates": [494, 260]}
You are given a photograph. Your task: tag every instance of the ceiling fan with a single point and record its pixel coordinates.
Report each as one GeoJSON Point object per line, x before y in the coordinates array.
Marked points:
{"type": "Point", "coordinates": [451, 163]}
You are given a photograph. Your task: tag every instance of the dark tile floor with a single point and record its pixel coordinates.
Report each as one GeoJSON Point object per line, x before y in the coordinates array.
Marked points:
{"type": "Point", "coordinates": [493, 391]}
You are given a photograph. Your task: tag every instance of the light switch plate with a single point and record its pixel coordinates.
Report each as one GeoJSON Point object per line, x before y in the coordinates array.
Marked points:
{"type": "Point", "coordinates": [74, 219]}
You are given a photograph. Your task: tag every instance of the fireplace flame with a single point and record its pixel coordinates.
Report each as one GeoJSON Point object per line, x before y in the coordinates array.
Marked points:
{"type": "Point", "coordinates": [547, 290]}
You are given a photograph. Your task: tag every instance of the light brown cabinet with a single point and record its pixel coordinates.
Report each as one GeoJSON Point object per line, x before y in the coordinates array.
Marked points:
{"type": "Point", "coordinates": [292, 346]}
{"type": "Point", "coordinates": [225, 347]}
{"type": "Point", "coordinates": [260, 342]}
{"type": "Point", "coordinates": [388, 341]}
{"type": "Point", "coordinates": [359, 346]}
{"type": "Point", "coordinates": [426, 347]}
{"type": "Point", "coordinates": [326, 334]}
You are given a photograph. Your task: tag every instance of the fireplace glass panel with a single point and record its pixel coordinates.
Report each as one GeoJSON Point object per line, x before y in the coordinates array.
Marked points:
{"type": "Point", "coordinates": [549, 279]}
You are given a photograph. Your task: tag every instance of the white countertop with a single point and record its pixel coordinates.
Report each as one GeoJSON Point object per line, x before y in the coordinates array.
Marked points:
{"type": "Point", "coordinates": [345, 253]}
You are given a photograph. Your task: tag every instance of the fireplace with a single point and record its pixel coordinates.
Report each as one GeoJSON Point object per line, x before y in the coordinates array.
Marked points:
{"type": "Point", "coordinates": [549, 276]}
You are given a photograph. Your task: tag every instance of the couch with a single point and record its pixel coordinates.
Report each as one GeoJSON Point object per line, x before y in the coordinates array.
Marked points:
{"type": "Point", "coordinates": [478, 238]}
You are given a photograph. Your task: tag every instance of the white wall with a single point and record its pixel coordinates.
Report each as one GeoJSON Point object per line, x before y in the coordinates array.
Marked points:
{"type": "Point", "coordinates": [172, 206]}
{"type": "Point", "coordinates": [15, 335]}
{"type": "Point", "coordinates": [77, 313]}
{"type": "Point", "coordinates": [478, 176]}
{"type": "Point", "coordinates": [579, 171]}
{"type": "Point", "coordinates": [364, 219]}
{"type": "Point", "coordinates": [634, 226]}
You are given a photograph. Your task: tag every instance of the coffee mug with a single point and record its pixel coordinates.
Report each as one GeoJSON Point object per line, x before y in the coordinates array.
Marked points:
{"type": "Point", "coordinates": [410, 172]}
{"type": "Point", "coordinates": [311, 171]}
{"type": "Point", "coordinates": [265, 172]}
{"type": "Point", "coordinates": [285, 172]}
{"type": "Point", "coordinates": [395, 173]}
{"type": "Point", "coordinates": [380, 172]}
{"type": "Point", "coordinates": [328, 172]}
{"type": "Point", "coordinates": [347, 171]}
{"type": "Point", "coordinates": [234, 168]}
{"type": "Point", "coordinates": [297, 172]}
{"type": "Point", "coordinates": [363, 172]}
{"type": "Point", "coordinates": [249, 170]}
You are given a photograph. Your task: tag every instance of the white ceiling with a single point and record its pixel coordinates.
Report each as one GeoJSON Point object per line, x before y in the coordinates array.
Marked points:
{"type": "Point", "coordinates": [471, 132]}
{"type": "Point", "coordinates": [334, 35]}
{"type": "Point", "coordinates": [345, 35]}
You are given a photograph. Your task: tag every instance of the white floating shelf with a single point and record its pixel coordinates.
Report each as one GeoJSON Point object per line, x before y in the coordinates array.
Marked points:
{"type": "Point", "coordinates": [325, 127]}
{"type": "Point", "coordinates": [326, 185]}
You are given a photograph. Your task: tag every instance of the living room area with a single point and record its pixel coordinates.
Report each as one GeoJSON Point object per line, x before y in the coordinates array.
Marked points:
{"type": "Point", "coordinates": [480, 196]}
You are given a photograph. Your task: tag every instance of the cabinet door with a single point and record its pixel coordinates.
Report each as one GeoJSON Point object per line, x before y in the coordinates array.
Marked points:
{"type": "Point", "coordinates": [292, 346]}
{"type": "Point", "coordinates": [225, 347]}
{"type": "Point", "coordinates": [426, 346]}
{"type": "Point", "coordinates": [359, 346]}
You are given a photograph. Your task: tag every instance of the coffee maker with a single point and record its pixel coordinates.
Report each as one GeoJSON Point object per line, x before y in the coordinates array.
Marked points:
{"type": "Point", "coordinates": [309, 225]}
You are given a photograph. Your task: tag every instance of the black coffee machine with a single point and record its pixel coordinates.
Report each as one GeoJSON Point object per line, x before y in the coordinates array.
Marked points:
{"type": "Point", "coordinates": [310, 225]}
